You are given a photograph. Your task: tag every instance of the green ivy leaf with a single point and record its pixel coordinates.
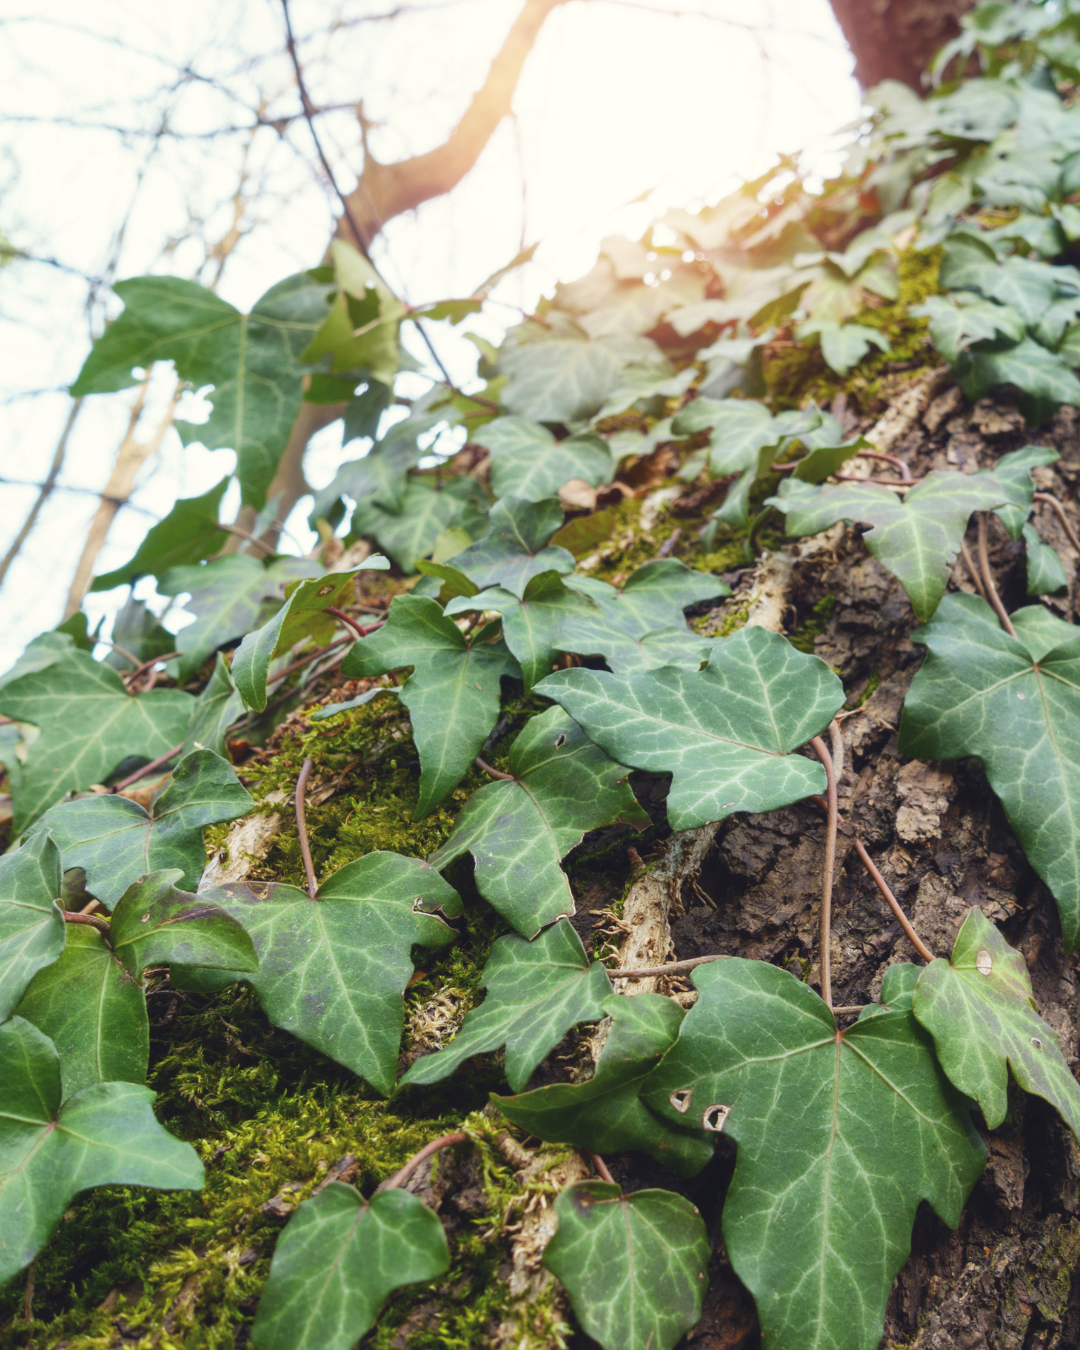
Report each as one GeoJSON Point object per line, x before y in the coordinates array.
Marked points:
{"type": "Point", "coordinates": [187, 535]}
{"type": "Point", "coordinates": [89, 723]}
{"type": "Point", "coordinates": [252, 360]}
{"type": "Point", "coordinates": [654, 596]}
{"type": "Point", "coordinates": [136, 629]}
{"type": "Point", "coordinates": [527, 461]}
{"type": "Point", "coordinates": [91, 1002]}
{"type": "Point", "coordinates": [560, 375]}
{"type": "Point", "coordinates": [380, 476]}
{"type": "Point", "coordinates": [1015, 704]}
{"type": "Point", "coordinates": [961, 319]}
{"type": "Point", "coordinates": [411, 533]}
{"type": "Point", "coordinates": [738, 429]}
{"type": "Point", "coordinates": [832, 1129]}
{"type": "Point", "coordinates": [519, 831]}
{"type": "Point", "coordinates": [333, 970]}
{"type": "Point", "coordinates": [337, 1260]}
{"type": "Point", "coordinates": [725, 733]}
{"type": "Point", "coordinates": [115, 841]}
{"type": "Point", "coordinates": [843, 345]}
{"type": "Point", "coordinates": [1013, 472]}
{"type": "Point", "coordinates": [301, 618]}
{"type": "Point", "coordinates": [634, 1265]}
{"type": "Point", "coordinates": [31, 918]}
{"type": "Point", "coordinates": [216, 708]}
{"type": "Point", "coordinates": [536, 991]}
{"type": "Point", "coordinates": [606, 1113]}
{"type": "Point", "coordinates": [452, 694]}
{"type": "Point", "coordinates": [104, 1136]}
{"type": "Point", "coordinates": [979, 1008]}
{"type": "Point", "coordinates": [1045, 574]}
{"type": "Point", "coordinates": [917, 538]}
{"type": "Point", "coordinates": [229, 597]}
{"type": "Point", "coordinates": [1040, 373]}
{"type": "Point", "coordinates": [515, 548]}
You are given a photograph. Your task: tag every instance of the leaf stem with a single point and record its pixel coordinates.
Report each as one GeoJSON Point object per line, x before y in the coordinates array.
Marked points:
{"type": "Point", "coordinates": [973, 571]}
{"type": "Point", "coordinates": [671, 968]}
{"type": "Point", "coordinates": [602, 1169]}
{"type": "Point", "coordinates": [400, 1177]}
{"type": "Point", "coordinates": [829, 870]}
{"type": "Point", "coordinates": [493, 773]}
{"type": "Point", "coordinates": [345, 618]}
{"type": "Point", "coordinates": [905, 472]}
{"type": "Point", "coordinates": [759, 520]}
{"type": "Point", "coordinates": [147, 769]}
{"type": "Point", "coordinates": [891, 900]}
{"type": "Point", "coordinates": [988, 579]}
{"type": "Point", "coordinates": [91, 920]}
{"type": "Point", "coordinates": [301, 828]}
{"type": "Point", "coordinates": [1059, 511]}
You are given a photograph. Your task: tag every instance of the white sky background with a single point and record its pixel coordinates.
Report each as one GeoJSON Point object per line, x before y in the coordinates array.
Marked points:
{"type": "Point", "coordinates": [617, 99]}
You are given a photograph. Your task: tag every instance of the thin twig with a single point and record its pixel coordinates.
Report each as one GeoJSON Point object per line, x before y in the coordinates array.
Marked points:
{"type": "Point", "coordinates": [344, 618]}
{"type": "Point", "coordinates": [828, 870]}
{"type": "Point", "coordinates": [241, 533]}
{"type": "Point", "coordinates": [602, 1169]}
{"type": "Point", "coordinates": [28, 1296]}
{"type": "Point", "coordinates": [902, 486]}
{"type": "Point", "coordinates": [759, 520]}
{"type": "Point", "coordinates": [973, 571]}
{"type": "Point", "coordinates": [672, 968]}
{"type": "Point", "coordinates": [128, 656]}
{"type": "Point", "coordinates": [399, 1178]}
{"type": "Point", "coordinates": [91, 919]}
{"type": "Point", "coordinates": [849, 1009]}
{"type": "Point", "coordinates": [89, 908]}
{"type": "Point", "coordinates": [836, 749]}
{"type": "Point", "coordinates": [891, 900]}
{"type": "Point", "coordinates": [45, 492]}
{"type": "Point", "coordinates": [132, 675]}
{"type": "Point", "coordinates": [905, 472]}
{"type": "Point", "coordinates": [301, 828]}
{"type": "Point", "coordinates": [988, 579]}
{"type": "Point", "coordinates": [307, 660]}
{"type": "Point", "coordinates": [493, 773]}
{"type": "Point", "coordinates": [147, 769]}
{"type": "Point", "coordinates": [1059, 511]}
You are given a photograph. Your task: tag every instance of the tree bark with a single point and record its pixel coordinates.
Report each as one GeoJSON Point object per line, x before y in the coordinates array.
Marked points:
{"type": "Point", "coordinates": [895, 39]}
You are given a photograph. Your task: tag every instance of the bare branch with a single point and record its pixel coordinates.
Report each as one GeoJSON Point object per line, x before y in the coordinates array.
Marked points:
{"type": "Point", "coordinates": [44, 494]}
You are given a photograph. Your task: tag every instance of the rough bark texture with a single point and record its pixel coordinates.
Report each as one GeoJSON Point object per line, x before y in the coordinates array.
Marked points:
{"type": "Point", "coordinates": [895, 39]}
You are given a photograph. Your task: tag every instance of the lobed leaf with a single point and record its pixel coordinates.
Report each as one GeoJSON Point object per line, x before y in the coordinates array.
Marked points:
{"type": "Point", "coordinates": [32, 928]}
{"type": "Point", "coordinates": [516, 548]}
{"type": "Point", "coordinates": [187, 535]}
{"type": "Point", "coordinates": [528, 463]}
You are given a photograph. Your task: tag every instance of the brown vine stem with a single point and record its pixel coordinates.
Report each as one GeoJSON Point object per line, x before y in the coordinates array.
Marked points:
{"type": "Point", "coordinates": [307, 660]}
{"type": "Point", "coordinates": [828, 872]}
{"type": "Point", "coordinates": [602, 1169]}
{"type": "Point", "coordinates": [147, 769]}
{"type": "Point", "coordinates": [988, 579]}
{"type": "Point", "coordinates": [973, 571]}
{"type": "Point", "coordinates": [891, 900]}
{"type": "Point", "coordinates": [340, 615]}
{"type": "Point", "coordinates": [400, 1177]}
{"type": "Point", "coordinates": [91, 920]}
{"type": "Point", "coordinates": [301, 828]}
{"type": "Point", "coordinates": [905, 472]}
{"type": "Point", "coordinates": [493, 773]}
{"type": "Point", "coordinates": [672, 968]}
{"type": "Point", "coordinates": [1063, 519]}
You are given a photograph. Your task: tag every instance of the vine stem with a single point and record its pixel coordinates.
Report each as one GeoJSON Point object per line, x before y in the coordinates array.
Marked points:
{"type": "Point", "coordinates": [301, 828]}
{"type": "Point", "coordinates": [147, 769]}
{"type": "Point", "coordinates": [91, 920]}
{"type": "Point", "coordinates": [671, 968]}
{"type": "Point", "coordinates": [828, 872]}
{"type": "Point", "coordinates": [894, 904]}
{"type": "Point", "coordinates": [400, 1177]}
{"type": "Point", "coordinates": [345, 618]}
{"type": "Point", "coordinates": [1059, 511]}
{"type": "Point", "coordinates": [493, 773]}
{"type": "Point", "coordinates": [988, 579]}
{"type": "Point", "coordinates": [132, 675]}
{"type": "Point", "coordinates": [973, 570]}
{"type": "Point", "coordinates": [602, 1169]}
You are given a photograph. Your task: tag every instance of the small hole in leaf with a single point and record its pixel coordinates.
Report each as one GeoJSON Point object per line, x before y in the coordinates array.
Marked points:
{"type": "Point", "coordinates": [324, 590]}
{"type": "Point", "coordinates": [984, 962]}
{"type": "Point", "coordinates": [715, 1118]}
{"type": "Point", "coordinates": [680, 1100]}
{"type": "Point", "coordinates": [145, 918]}
{"type": "Point", "coordinates": [1036, 1042]}
{"type": "Point", "coordinates": [560, 741]}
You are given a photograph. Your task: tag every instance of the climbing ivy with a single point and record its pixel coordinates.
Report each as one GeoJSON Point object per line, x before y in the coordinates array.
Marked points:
{"type": "Point", "coordinates": [485, 614]}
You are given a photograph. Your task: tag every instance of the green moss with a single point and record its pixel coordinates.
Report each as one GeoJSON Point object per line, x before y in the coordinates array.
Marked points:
{"type": "Point", "coordinates": [803, 637]}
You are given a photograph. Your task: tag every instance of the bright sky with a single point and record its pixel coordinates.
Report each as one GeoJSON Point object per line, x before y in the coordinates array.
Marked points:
{"type": "Point", "coordinates": [618, 99]}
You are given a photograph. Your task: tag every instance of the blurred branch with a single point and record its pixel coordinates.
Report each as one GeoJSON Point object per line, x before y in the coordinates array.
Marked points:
{"type": "Point", "coordinates": [45, 493]}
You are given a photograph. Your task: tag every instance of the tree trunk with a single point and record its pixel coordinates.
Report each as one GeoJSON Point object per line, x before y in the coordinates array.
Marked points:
{"type": "Point", "coordinates": [895, 39]}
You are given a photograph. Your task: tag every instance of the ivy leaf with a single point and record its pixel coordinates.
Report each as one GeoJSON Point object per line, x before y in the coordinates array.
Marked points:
{"type": "Point", "coordinates": [959, 320]}
{"type": "Point", "coordinates": [187, 535]}
{"type": "Point", "coordinates": [916, 538]}
{"type": "Point", "coordinates": [333, 970]}
{"type": "Point", "coordinates": [515, 548]}
{"type": "Point", "coordinates": [655, 596]}
{"type": "Point", "coordinates": [115, 840]}
{"type": "Point", "coordinates": [91, 1003]}
{"type": "Point", "coordinates": [626, 655]}
{"type": "Point", "coordinates": [380, 476]}
{"type": "Point", "coordinates": [843, 345]}
{"type": "Point", "coordinates": [606, 1114]}
{"type": "Point", "coordinates": [411, 533]}
{"type": "Point", "coordinates": [337, 1260]}
{"type": "Point", "coordinates": [229, 597]}
{"type": "Point", "coordinates": [536, 991]}
{"type": "Point", "coordinates": [634, 1265]}
{"type": "Point", "coordinates": [527, 461]}
{"type": "Point", "coordinates": [1013, 472]}
{"type": "Point", "coordinates": [89, 724]}
{"type": "Point", "coordinates": [452, 694]}
{"type": "Point", "coordinates": [738, 429]}
{"type": "Point", "coordinates": [533, 624]}
{"type": "Point", "coordinates": [831, 1128]}
{"type": "Point", "coordinates": [104, 1136]}
{"type": "Point", "coordinates": [136, 629]}
{"type": "Point", "coordinates": [216, 708]}
{"type": "Point", "coordinates": [979, 1008]}
{"type": "Point", "coordinates": [562, 376]}
{"type": "Point", "coordinates": [1014, 703]}
{"type": "Point", "coordinates": [1045, 574]}
{"type": "Point", "coordinates": [1040, 373]}
{"type": "Point", "coordinates": [31, 918]}
{"type": "Point", "coordinates": [252, 361]}
{"type": "Point", "coordinates": [519, 831]}
{"type": "Point", "coordinates": [725, 733]}
{"type": "Point", "coordinates": [303, 616]}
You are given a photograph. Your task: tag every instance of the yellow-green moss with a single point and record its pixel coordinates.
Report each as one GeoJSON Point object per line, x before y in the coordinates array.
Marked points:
{"type": "Point", "coordinates": [803, 637]}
